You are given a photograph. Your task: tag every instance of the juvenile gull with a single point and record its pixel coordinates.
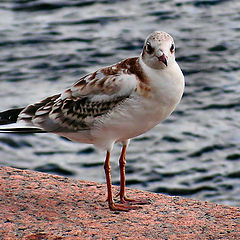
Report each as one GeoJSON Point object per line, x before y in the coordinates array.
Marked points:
{"type": "Point", "coordinates": [112, 104]}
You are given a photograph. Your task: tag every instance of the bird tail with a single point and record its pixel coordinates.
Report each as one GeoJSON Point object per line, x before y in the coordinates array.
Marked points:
{"type": "Point", "coordinates": [8, 123]}
{"type": "Point", "coordinates": [9, 116]}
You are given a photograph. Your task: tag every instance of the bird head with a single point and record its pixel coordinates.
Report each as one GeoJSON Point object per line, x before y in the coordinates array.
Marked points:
{"type": "Point", "coordinates": [159, 50]}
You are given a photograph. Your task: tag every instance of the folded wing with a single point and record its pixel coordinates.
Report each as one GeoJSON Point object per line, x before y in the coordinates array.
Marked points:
{"type": "Point", "coordinates": [90, 98]}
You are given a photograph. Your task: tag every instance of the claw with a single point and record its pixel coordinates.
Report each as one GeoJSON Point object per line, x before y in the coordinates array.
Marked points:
{"type": "Point", "coordinates": [122, 207]}
{"type": "Point", "coordinates": [134, 201]}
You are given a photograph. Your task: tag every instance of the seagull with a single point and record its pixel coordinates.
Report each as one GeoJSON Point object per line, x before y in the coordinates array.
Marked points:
{"type": "Point", "coordinates": [113, 104]}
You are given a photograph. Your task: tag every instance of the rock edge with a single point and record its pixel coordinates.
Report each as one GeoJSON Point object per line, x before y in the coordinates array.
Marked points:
{"type": "Point", "coordinates": [36, 205]}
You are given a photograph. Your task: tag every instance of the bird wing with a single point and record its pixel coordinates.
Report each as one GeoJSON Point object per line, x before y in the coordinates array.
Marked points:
{"type": "Point", "coordinates": [91, 97]}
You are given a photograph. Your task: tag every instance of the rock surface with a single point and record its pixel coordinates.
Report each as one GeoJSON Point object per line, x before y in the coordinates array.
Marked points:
{"type": "Point", "coordinates": [35, 205]}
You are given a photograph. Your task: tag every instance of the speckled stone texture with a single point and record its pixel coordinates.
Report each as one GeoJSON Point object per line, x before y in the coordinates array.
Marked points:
{"type": "Point", "coordinates": [35, 205]}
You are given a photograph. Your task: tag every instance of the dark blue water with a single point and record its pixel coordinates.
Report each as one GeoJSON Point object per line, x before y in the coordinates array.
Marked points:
{"type": "Point", "coordinates": [45, 46]}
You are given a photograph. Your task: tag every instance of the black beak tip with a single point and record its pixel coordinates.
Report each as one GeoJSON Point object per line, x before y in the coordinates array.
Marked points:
{"type": "Point", "coordinates": [163, 59]}
{"type": "Point", "coordinates": [165, 62]}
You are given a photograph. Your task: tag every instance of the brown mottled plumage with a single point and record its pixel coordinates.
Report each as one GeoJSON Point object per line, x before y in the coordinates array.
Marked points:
{"type": "Point", "coordinates": [70, 111]}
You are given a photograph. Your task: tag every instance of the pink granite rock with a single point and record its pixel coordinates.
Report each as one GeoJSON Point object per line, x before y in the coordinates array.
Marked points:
{"type": "Point", "coordinates": [35, 206]}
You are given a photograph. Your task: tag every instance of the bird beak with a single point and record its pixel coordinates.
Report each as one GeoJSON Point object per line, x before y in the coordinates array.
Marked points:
{"type": "Point", "coordinates": [163, 59]}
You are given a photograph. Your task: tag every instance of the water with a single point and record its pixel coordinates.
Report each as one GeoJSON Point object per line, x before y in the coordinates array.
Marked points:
{"type": "Point", "coordinates": [47, 45]}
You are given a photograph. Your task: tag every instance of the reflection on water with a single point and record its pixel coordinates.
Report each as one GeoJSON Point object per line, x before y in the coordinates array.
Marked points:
{"type": "Point", "coordinates": [46, 46]}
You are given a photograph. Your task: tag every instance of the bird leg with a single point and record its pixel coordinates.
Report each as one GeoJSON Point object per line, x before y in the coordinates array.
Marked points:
{"type": "Point", "coordinates": [112, 205]}
{"type": "Point", "coordinates": [122, 164]}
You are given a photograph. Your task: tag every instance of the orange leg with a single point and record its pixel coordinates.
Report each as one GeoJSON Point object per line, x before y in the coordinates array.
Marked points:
{"type": "Point", "coordinates": [112, 205]}
{"type": "Point", "coordinates": [122, 164]}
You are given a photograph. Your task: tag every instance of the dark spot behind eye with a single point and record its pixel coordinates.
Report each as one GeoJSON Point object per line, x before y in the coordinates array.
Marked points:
{"type": "Point", "coordinates": [149, 48]}
{"type": "Point", "coordinates": [172, 48]}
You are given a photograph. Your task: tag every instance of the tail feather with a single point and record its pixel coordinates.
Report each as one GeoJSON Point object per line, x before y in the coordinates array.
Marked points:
{"type": "Point", "coordinates": [22, 130]}
{"type": "Point", "coordinates": [8, 123]}
{"type": "Point", "coordinates": [9, 116]}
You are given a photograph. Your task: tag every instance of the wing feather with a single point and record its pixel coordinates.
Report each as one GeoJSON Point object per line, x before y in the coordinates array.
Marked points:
{"type": "Point", "coordinates": [90, 98]}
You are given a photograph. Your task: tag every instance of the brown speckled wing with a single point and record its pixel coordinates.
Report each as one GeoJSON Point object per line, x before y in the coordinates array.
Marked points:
{"type": "Point", "coordinates": [69, 114]}
{"type": "Point", "coordinates": [78, 108]}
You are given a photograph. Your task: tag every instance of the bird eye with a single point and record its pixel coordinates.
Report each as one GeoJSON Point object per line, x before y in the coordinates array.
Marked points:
{"type": "Point", "coordinates": [149, 48]}
{"type": "Point", "coordinates": [172, 48]}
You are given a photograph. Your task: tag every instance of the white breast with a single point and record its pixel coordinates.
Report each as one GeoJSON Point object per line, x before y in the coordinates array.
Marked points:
{"type": "Point", "coordinates": [167, 85]}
